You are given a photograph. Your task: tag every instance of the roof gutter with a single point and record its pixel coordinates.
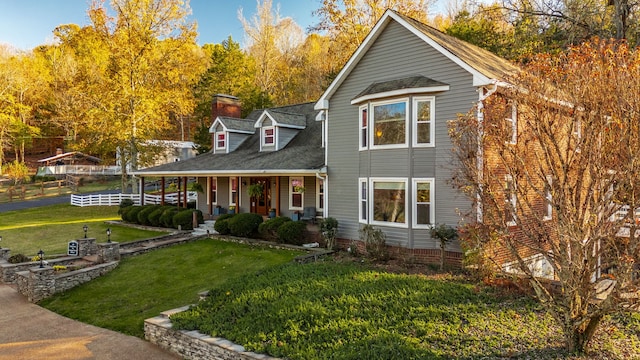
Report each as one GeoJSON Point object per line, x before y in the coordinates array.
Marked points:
{"type": "Point", "coordinates": [311, 172]}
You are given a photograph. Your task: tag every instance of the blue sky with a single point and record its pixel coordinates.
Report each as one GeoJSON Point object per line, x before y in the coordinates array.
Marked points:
{"type": "Point", "coordinates": [26, 24]}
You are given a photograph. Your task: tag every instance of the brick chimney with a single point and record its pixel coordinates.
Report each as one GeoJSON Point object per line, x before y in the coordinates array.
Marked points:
{"type": "Point", "coordinates": [225, 105]}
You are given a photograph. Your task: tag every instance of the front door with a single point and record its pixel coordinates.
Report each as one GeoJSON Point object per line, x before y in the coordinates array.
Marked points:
{"type": "Point", "coordinates": [260, 204]}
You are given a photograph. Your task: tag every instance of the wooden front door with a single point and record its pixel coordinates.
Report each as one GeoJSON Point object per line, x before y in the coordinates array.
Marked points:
{"type": "Point", "coordinates": [261, 204]}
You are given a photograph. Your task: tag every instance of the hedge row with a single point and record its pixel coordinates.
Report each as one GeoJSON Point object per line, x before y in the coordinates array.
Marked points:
{"type": "Point", "coordinates": [280, 229]}
{"type": "Point", "coordinates": [168, 216]}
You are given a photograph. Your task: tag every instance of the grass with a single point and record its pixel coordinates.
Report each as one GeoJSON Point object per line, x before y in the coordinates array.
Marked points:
{"type": "Point", "coordinates": [50, 228]}
{"type": "Point", "coordinates": [349, 311]}
{"type": "Point", "coordinates": [143, 286]}
{"type": "Point", "coordinates": [36, 191]}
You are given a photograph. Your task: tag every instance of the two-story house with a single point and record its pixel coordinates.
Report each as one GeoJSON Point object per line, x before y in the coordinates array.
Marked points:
{"type": "Point", "coordinates": [374, 149]}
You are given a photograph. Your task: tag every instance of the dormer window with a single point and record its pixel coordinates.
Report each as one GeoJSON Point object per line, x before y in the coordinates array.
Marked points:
{"type": "Point", "coordinates": [220, 141]}
{"type": "Point", "coordinates": [268, 136]}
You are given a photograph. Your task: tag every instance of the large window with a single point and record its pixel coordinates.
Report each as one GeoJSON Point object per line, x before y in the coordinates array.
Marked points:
{"type": "Point", "coordinates": [423, 201]}
{"type": "Point", "coordinates": [363, 209]}
{"type": "Point", "coordinates": [389, 201]}
{"type": "Point", "coordinates": [220, 140]}
{"type": "Point", "coordinates": [296, 191]}
{"type": "Point", "coordinates": [364, 134]}
{"type": "Point", "coordinates": [233, 191]}
{"type": "Point", "coordinates": [424, 121]}
{"type": "Point", "coordinates": [389, 124]}
{"type": "Point", "coordinates": [268, 136]}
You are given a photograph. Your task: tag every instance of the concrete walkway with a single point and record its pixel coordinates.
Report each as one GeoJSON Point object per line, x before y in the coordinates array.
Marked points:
{"type": "Point", "coordinates": [28, 332]}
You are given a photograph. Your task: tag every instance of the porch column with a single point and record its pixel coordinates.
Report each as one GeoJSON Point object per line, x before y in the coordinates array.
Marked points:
{"type": "Point", "coordinates": [141, 190]}
{"type": "Point", "coordinates": [184, 203]}
{"type": "Point", "coordinates": [162, 191]}
{"type": "Point", "coordinates": [179, 187]}
{"type": "Point", "coordinates": [277, 195]}
{"type": "Point", "coordinates": [238, 192]}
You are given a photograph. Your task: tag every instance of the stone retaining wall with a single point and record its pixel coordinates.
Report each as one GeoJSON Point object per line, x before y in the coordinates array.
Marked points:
{"type": "Point", "coordinates": [8, 271]}
{"type": "Point", "coordinates": [192, 344]}
{"type": "Point", "coordinates": [40, 283]}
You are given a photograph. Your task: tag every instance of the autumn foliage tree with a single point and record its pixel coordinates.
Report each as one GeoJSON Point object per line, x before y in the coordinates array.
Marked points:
{"type": "Point", "coordinates": [561, 193]}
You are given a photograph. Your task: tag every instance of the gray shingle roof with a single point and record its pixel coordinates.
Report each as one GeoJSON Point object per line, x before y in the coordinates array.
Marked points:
{"type": "Point", "coordinates": [235, 124]}
{"type": "Point", "coordinates": [303, 153]}
{"type": "Point", "coordinates": [287, 118]}
{"type": "Point", "coordinates": [418, 81]}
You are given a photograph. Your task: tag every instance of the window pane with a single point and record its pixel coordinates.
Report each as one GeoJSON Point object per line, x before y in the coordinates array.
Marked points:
{"type": "Point", "coordinates": [389, 123]}
{"type": "Point", "coordinates": [423, 215]}
{"type": "Point", "coordinates": [424, 133]}
{"type": "Point", "coordinates": [423, 192]}
{"type": "Point", "coordinates": [296, 200]}
{"type": "Point", "coordinates": [389, 201]}
{"type": "Point", "coordinates": [424, 111]}
{"type": "Point", "coordinates": [363, 209]}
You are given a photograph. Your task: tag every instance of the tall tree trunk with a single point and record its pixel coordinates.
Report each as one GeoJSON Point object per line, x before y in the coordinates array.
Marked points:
{"type": "Point", "coordinates": [578, 336]}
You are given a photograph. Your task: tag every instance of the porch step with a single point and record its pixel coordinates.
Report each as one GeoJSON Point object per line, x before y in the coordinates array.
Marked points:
{"type": "Point", "coordinates": [205, 228]}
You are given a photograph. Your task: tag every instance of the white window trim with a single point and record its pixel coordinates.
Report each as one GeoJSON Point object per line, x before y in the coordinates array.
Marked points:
{"type": "Point", "coordinates": [231, 203]}
{"type": "Point", "coordinates": [319, 204]}
{"type": "Point", "coordinates": [212, 180]}
{"type": "Point", "coordinates": [513, 201]}
{"type": "Point", "coordinates": [371, 124]}
{"type": "Point", "coordinates": [514, 124]}
{"type": "Point", "coordinates": [548, 199]}
{"type": "Point", "coordinates": [291, 192]}
{"type": "Point", "coordinates": [432, 121]}
{"type": "Point", "coordinates": [371, 201]}
{"type": "Point", "coordinates": [414, 202]}
{"type": "Point", "coordinates": [361, 128]}
{"type": "Point", "coordinates": [361, 182]}
{"type": "Point", "coordinates": [263, 136]}
{"type": "Point", "coordinates": [226, 140]}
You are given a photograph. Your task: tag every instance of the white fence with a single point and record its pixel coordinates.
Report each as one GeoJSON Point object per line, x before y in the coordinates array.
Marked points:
{"type": "Point", "coordinates": [79, 170]}
{"type": "Point", "coordinates": [116, 199]}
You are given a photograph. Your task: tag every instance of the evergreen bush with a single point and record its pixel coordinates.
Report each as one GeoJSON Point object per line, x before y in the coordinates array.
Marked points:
{"type": "Point", "coordinates": [143, 214]}
{"type": "Point", "coordinates": [292, 232]}
{"type": "Point", "coordinates": [18, 258]}
{"type": "Point", "coordinates": [245, 224]}
{"type": "Point", "coordinates": [154, 216]}
{"type": "Point", "coordinates": [269, 229]}
{"type": "Point", "coordinates": [166, 219]}
{"type": "Point", "coordinates": [375, 242]}
{"type": "Point", "coordinates": [124, 204]}
{"type": "Point", "coordinates": [221, 225]}
{"type": "Point", "coordinates": [131, 216]}
{"type": "Point", "coordinates": [184, 219]}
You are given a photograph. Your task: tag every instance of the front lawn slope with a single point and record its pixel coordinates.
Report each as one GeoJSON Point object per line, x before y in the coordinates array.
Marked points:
{"type": "Point", "coordinates": [348, 311]}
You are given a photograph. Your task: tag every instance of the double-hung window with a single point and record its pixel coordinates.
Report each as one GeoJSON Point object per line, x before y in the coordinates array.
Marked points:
{"type": "Point", "coordinates": [320, 194]}
{"type": "Point", "coordinates": [423, 203]}
{"type": "Point", "coordinates": [363, 208]}
{"type": "Point", "coordinates": [296, 191]}
{"type": "Point", "coordinates": [220, 141]}
{"type": "Point", "coordinates": [389, 201]}
{"type": "Point", "coordinates": [510, 200]}
{"type": "Point", "coordinates": [233, 191]}
{"type": "Point", "coordinates": [548, 199]}
{"type": "Point", "coordinates": [424, 121]}
{"type": "Point", "coordinates": [214, 191]}
{"type": "Point", "coordinates": [389, 124]}
{"type": "Point", "coordinates": [268, 136]}
{"type": "Point", "coordinates": [511, 119]}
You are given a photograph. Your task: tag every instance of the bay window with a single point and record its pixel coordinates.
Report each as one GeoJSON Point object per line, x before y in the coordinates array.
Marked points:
{"type": "Point", "coordinates": [389, 201]}
{"type": "Point", "coordinates": [364, 134]}
{"type": "Point", "coordinates": [423, 201]}
{"type": "Point", "coordinates": [423, 121]}
{"type": "Point", "coordinates": [389, 124]}
{"type": "Point", "coordinates": [363, 209]}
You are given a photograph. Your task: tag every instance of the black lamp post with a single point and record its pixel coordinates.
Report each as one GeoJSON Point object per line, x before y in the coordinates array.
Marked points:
{"type": "Point", "coordinates": [41, 256]}
{"type": "Point", "coordinates": [108, 235]}
{"type": "Point", "coordinates": [85, 228]}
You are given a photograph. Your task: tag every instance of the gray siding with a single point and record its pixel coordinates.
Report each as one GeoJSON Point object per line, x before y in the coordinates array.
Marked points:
{"type": "Point", "coordinates": [285, 135]}
{"type": "Point", "coordinates": [396, 53]}
{"type": "Point", "coordinates": [235, 140]}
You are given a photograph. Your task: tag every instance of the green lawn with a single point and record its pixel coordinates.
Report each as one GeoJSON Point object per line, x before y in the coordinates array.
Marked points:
{"type": "Point", "coordinates": [143, 286]}
{"type": "Point", "coordinates": [50, 228]}
{"type": "Point", "coordinates": [37, 191]}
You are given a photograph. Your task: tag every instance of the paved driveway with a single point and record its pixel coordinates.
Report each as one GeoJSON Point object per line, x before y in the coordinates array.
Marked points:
{"type": "Point", "coordinates": [29, 332]}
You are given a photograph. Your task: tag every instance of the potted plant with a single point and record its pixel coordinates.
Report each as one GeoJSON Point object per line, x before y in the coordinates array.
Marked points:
{"type": "Point", "coordinates": [232, 209]}
{"type": "Point", "coordinates": [255, 190]}
{"type": "Point", "coordinates": [272, 213]}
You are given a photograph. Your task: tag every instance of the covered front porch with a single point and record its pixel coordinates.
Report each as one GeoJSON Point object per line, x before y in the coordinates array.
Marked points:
{"type": "Point", "coordinates": [298, 195]}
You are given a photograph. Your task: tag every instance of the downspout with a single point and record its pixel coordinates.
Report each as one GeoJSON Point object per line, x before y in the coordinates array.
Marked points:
{"type": "Point", "coordinates": [480, 153]}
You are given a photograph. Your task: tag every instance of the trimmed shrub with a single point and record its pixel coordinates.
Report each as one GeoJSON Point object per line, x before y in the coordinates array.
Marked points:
{"type": "Point", "coordinates": [183, 219]}
{"type": "Point", "coordinates": [292, 232]}
{"type": "Point", "coordinates": [131, 215]}
{"type": "Point", "coordinates": [166, 219]}
{"type": "Point", "coordinates": [375, 242]}
{"type": "Point", "coordinates": [329, 231]}
{"type": "Point", "coordinates": [222, 224]}
{"type": "Point", "coordinates": [269, 229]}
{"type": "Point", "coordinates": [143, 215]}
{"type": "Point", "coordinates": [245, 224]}
{"type": "Point", "coordinates": [154, 216]}
{"type": "Point", "coordinates": [18, 258]}
{"type": "Point", "coordinates": [124, 204]}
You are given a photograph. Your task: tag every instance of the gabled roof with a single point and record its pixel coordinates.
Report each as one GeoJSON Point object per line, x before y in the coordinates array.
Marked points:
{"type": "Point", "coordinates": [283, 119]}
{"type": "Point", "coordinates": [243, 126]}
{"type": "Point", "coordinates": [302, 155]}
{"type": "Point", "coordinates": [485, 66]}
{"type": "Point", "coordinates": [406, 85]}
